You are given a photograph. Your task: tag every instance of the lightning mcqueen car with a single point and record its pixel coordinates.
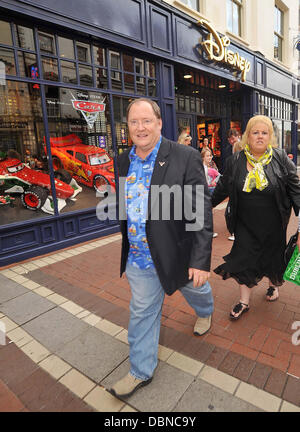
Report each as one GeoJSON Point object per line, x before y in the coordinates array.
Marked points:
{"type": "Point", "coordinates": [34, 186]}
{"type": "Point", "coordinates": [89, 165]}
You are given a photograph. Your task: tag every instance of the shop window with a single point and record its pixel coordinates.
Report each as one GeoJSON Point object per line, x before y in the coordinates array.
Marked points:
{"type": "Point", "coordinates": [152, 88]}
{"type": "Point", "coordinates": [81, 143]}
{"type": "Point", "coordinates": [277, 125]}
{"type": "Point", "coordinates": [278, 33]}
{"type": "Point", "coordinates": [25, 184]}
{"type": "Point", "coordinates": [50, 69]}
{"type": "Point", "coordinates": [86, 76]}
{"type": "Point", "coordinates": [101, 78]}
{"type": "Point", "coordinates": [28, 65]}
{"type": "Point", "coordinates": [99, 55]}
{"type": "Point", "coordinates": [24, 37]}
{"type": "Point", "coordinates": [129, 83]}
{"type": "Point", "coordinates": [7, 57]}
{"type": "Point", "coordinates": [234, 16]}
{"type": "Point", "coordinates": [83, 52]}
{"type": "Point", "coordinates": [66, 48]}
{"type": "Point", "coordinates": [115, 64]}
{"type": "Point", "coordinates": [287, 137]}
{"type": "Point", "coordinates": [193, 4]}
{"type": "Point", "coordinates": [5, 33]}
{"type": "Point", "coordinates": [122, 137]}
{"type": "Point", "coordinates": [47, 43]}
{"type": "Point", "coordinates": [139, 70]}
{"type": "Point", "coordinates": [150, 69]}
{"type": "Point", "coordinates": [68, 72]}
{"type": "Point", "coordinates": [128, 63]}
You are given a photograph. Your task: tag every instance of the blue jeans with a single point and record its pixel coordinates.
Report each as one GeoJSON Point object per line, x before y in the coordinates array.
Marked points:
{"type": "Point", "coordinates": [145, 316]}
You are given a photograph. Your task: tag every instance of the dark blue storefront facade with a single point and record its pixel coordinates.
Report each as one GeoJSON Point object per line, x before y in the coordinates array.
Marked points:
{"type": "Point", "coordinates": [122, 49]}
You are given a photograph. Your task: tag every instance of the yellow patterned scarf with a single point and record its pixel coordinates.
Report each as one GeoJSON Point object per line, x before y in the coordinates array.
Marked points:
{"type": "Point", "coordinates": [257, 177]}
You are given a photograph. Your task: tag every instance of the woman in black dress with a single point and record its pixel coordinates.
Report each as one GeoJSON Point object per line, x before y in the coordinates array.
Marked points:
{"type": "Point", "coordinates": [262, 185]}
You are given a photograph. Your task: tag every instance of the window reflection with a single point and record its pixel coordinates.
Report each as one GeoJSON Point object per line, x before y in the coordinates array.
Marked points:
{"type": "Point", "coordinates": [68, 72]}
{"type": "Point", "coordinates": [8, 58]}
{"type": "Point", "coordinates": [28, 65]}
{"type": "Point", "coordinates": [86, 76]}
{"type": "Point", "coordinates": [83, 52]}
{"type": "Point", "coordinates": [5, 33]}
{"type": "Point", "coordinates": [47, 43]}
{"type": "Point", "coordinates": [50, 69]}
{"type": "Point", "coordinates": [24, 37]}
{"type": "Point", "coordinates": [66, 48]}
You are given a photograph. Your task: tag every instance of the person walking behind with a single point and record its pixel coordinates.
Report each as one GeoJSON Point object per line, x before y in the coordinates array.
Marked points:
{"type": "Point", "coordinates": [262, 185]}
{"type": "Point", "coordinates": [184, 138]}
{"type": "Point", "coordinates": [234, 139]}
{"type": "Point", "coordinates": [212, 175]}
{"type": "Point", "coordinates": [160, 255]}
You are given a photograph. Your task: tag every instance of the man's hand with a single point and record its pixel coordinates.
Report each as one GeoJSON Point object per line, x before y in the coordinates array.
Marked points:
{"type": "Point", "coordinates": [199, 276]}
{"type": "Point", "coordinates": [298, 242]}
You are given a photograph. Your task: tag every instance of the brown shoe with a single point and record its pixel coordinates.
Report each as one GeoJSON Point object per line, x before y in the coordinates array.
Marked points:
{"type": "Point", "coordinates": [127, 386]}
{"type": "Point", "coordinates": [202, 326]}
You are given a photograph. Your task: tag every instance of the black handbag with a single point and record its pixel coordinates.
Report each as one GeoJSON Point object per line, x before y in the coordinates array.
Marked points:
{"type": "Point", "coordinates": [290, 247]}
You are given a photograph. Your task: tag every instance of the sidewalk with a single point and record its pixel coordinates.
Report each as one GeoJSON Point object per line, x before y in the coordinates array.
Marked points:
{"type": "Point", "coordinates": [66, 318]}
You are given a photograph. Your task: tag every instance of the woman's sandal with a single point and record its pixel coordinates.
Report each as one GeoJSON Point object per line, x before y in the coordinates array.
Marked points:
{"type": "Point", "coordinates": [239, 308]}
{"type": "Point", "coordinates": [270, 293]}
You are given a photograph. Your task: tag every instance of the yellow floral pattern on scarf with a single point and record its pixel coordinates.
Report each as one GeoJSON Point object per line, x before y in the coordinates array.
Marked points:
{"type": "Point", "coordinates": [257, 177]}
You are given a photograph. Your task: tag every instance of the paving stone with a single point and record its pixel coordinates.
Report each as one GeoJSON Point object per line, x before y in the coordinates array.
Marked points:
{"type": "Point", "coordinates": [259, 375]}
{"type": "Point", "coordinates": [216, 357]}
{"type": "Point", "coordinates": [10, 289]}
{"type": "Point", "coordinates": [244, 369]}
{"type": "Point", "coordinates": [94, 353]}
{"type": "Point", "coordinates": [171, 382]}
{"type": "Point", "coordinates": [276, 382]}
{"type": "Point", "coordinates": [230, 363]}
{"type": "Point", "coordinates": [203, 397]}
{"type": "Point", "coordinates": [292, 391]}
{"type": "Point", "coordinates": [55, 328]}
{"type": "Point", "coordinates": [26, 307]}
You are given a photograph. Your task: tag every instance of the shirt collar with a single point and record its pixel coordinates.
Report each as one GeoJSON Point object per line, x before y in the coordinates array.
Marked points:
{"type": "Point", "coordinates": [152, 155]}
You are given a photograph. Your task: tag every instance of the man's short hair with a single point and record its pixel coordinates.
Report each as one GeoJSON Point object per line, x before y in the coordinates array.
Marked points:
{"type": "Point", "coordinates": [154, 105]}
{"type": "Point", "coordinates": [232, 132]}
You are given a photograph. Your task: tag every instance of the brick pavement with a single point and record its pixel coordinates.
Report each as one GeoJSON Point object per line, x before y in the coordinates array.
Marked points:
{"type": "Point", "coordinates": [257, 349]}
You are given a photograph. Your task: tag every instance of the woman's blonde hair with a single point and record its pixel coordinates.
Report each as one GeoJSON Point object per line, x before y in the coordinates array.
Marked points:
{"type": "Point", "coordinates": [252, 122]}
{"type": "Point", "coordinates": [182, 137]}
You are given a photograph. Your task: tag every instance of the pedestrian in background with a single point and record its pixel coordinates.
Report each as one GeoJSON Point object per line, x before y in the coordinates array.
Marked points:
{"type": "Point", "coordinates": [161, 255]}
{"type": "Point", "coordinates": [262, 185]}
{"type": "Point", "coordinates": [184, 138]}
{"type": "Point", "coordinates": [212, 174]}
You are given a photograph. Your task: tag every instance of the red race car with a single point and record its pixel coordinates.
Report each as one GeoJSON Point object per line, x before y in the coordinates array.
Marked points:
{"type": "Point", "coordinates": [34, 186]}
{"type": "Point", "coordinates": [88, 164]}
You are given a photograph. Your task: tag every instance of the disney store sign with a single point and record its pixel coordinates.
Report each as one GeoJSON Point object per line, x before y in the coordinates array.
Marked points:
{"type": "Point", "coordinates": [217, 49]}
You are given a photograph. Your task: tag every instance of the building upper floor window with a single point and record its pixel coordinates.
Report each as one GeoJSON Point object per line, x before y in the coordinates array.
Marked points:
{"type": "Point", "coordinates": [234, 16]}
{"type": "Point", "coordinates": [278, 33]}
{"type": "Point", "coordinates": [193, 4]}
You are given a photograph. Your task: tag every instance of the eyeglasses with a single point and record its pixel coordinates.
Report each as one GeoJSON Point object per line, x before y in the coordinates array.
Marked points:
{"type": "Point", "coordinates": [144, 123]}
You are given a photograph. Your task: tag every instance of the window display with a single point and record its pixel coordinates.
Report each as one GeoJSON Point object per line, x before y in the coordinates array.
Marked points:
{"type": "Point", "coordinates": [81, 142]}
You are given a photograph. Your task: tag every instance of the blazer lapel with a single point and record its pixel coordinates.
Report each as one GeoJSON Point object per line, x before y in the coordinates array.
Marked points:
{"type": "Point", "coordinates": [159, 171]}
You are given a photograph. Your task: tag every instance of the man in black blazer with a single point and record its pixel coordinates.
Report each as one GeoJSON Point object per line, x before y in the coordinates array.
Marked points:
{"type": "Point", "coordinates": [166, 236]}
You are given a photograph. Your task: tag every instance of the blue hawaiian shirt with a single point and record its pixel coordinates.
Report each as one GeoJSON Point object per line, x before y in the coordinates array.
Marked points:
{"type": "Point", "coordinates": [137, 190]}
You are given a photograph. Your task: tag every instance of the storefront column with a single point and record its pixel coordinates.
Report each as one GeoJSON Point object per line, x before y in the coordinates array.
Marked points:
{"type": "Point", "coordinates": [167, 99]}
